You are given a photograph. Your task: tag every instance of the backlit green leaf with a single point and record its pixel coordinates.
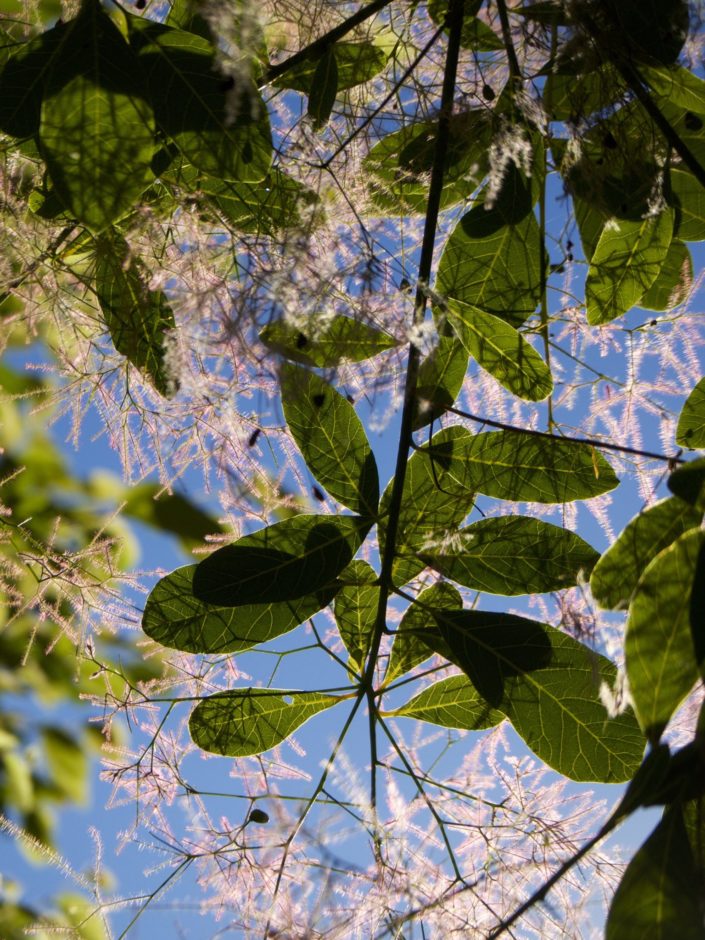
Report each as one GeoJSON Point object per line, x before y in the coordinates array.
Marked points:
{"type": "Point", "coordinates": [492, 265]}
{"type": "Point", "coordinates": [220, 125]}
{"type": "Point", "coordinates": [617, 573]}
{"type": "Point", "coordinates": [97, 130]}
{"type": "Point", "coordinates": [674, 280]}
{"type": "Point", "coordinates": [627, 260]}
{"type": "Point", "coordinates": [687, 196]}
{"type": "Point", "coordinates": [571, 95]}
{"type": "Point", "coordinates": [435, 499]}
{"type": "Point", "coordinates": [518, 465]}
{"type": "Point", "coordinates": [356, 63]}
{"type": "Point", "coordinates": [440, 378]}
{"type": "Point", "coordinates": [399, 165]}
{"type": "Point", "coordinates": [502, 351]}
{"type": "Point", "coordinates": [325, 345]}
{"type": "Point", "coordinates": [356, 611]}
{"type": "Point", "coordinates": [681, 86]}
{"type": "Point", "coordinates": [659, 896]}
{"type": "Point", "coordinates": [243, 722]}
{"type": "Point", "coordinates": [408, 648]}
{"type": "Point", "coordinates": [331, 438]}
{"type": "Point", "coordinates": [67, 762]}
{"type": "Point", "coordinates": [324, 88]}
{"type": "Point", "coordinates": [548, 685]}
{"type": "Point", "coordinates": [137, 318]}
{"type": "Point", "coordinates": [660, 657]}
{"type": "Point", "coordinates": [514, 555]}
{"type": "Point", "coordinates": [175, 618]}
{"type": "Point", "coordinates": [687, 481]}
{"type": "Point", "coordinates": [451, 703]}
{"type": "Point", "coordinates": [282, 562]}
{"type": "Point", "coordinates": [475, 34]}
{"type": "Point", "coordinates": [691, 422]}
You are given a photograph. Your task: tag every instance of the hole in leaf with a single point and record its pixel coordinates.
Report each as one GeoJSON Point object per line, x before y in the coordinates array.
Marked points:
{"type": "Point", "coordinates": [301, 341]}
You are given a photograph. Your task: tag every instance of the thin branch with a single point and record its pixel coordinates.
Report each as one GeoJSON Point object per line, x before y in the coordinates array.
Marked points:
{"type": "Point", "coordinates": [581, 441]}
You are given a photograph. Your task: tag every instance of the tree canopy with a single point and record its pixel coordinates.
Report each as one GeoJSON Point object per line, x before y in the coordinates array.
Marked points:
{"type": "Point", "coordinates": [251, 237]}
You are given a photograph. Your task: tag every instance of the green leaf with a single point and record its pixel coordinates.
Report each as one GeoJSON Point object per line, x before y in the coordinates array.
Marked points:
{"type": "Point", "coordinates": [674, 280]}
{"type": "Point", "coordinates": [356, 611]}
{"type": "Point", "coordinates": [521, 466]}
{"type": "Point", "coordinates": [324, 88]}
{"type": "Point", "coordinates": [219, 125]}
{"type": "Point", "coordinates": [408, 648]}
{"type": "Point", "coordinates": [548, 685]}
{"type": "Point", "coordinates": [325, 345]}
{"type": "Point", "coordinates": [97, 130]}
{"type": "Point", "coordinates": [356, 63]}
{"type": "Point", "coordinates": [475, 34]}
{"type": "Point", "coordinates": [501, 350]}
{"type": "Point", "coordinates": [282, 562]}
{"type": "Point", "coordinates": [170, 512]}
{"type": "Point", "coordinates": [572, 95]}
{"type": "Point", "coordinates": [679, 85]}
{"type": "Point", "coordinates": [650, 30]}
{"type": "Point", "coordinates": [492, 265]}
{"type": "Point", "coordinates": [331, 438]}
{"type": "Point", "coordinates": [687, 481]}
{"type": "Point", "coordinates": [617, 573]}
{"type": "Point", "coordinates": [687, 196]}
{"type": "Point", "coordinates": [67, 762]}
{"type": "Point", "coordinates": [23, 81]}
{"type": "Point", "coordinates": [435, 498]}
{"type": "Point", "coordinates": [691, 422]}
{"type": "Point", "coordinates": [627, 260]}
{"type": "Point", "coordinates": [451, 703]}
{"type": "Point", "coordinates": [514, 555]}
{"type": "Point", "coordinates": [243, 722]}
{"type": "Point", "coordinates": [174, 617]}
{"type": "Point", "coordinates": [660, 658]}
{"type": "Point", "coordinates": [590, 225]}
{"type": "Point", "coordinates": [440, 378]}
{"type": "Point", "coordinates": [137, 318]}
{"type": "Point", "coordinates": [659, 896]}
{"type": "Point", "coordinates": [399, 165]}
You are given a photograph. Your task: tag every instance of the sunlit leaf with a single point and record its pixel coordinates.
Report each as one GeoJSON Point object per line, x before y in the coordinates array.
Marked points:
{"type": "Point", "coordinates": [691, 422]}
{"type": "Point", "coordinates": [174, 617]}
{"type": "Point", "coordinates": [660, 657]}
{"type": "Point", "coordinates": [617, 573]}
{"type": "Point", "coordinates": [408, 648]}
{"type": "Point", "coordinates": [399, 165]}
{"type": "Point", "coordinates": [492, 265]}
{"type": "Point", "coordinates": [514, 555]}
{"type": "Point", "coordinates": [687, 196]}
{"type": "Point", "coordinates": [674, 280]}
{"type": "Point", "coordinates": [97, 130]}
{"type": "Point", "coordinates": [435, 498]}
{"type": "Point", "coordinates": [356, 63]}
{"type": "Point", "coordinates": [326, 345]}
{"type": "Point", "coordinates": [137, 318]}
{"type": "Point", "coordinates": [243, 722]}
{"type": "Point", "coordinates": [282, 562]}
{"type": "Point", "coordinates": [571, 95]}
{"type": "Point", "coordinates": [626, 262]}
{"type": "Point", "coordinates": [331, 438]}
{"type": "Point", "coordinates": [687, 481]}
{"type": "Point", "coordinates": [356, 611]}
{"type": "Point", "coordinates": [681, 86]}
{"type": "Point", "coordinates": [475, 34]}
{"type": "Point", "coordinates": [659, 896]}
{"type": "Point", "coordinates": [220, 125]}
{"type": "Point", "coordinates": [519, 465]}
{"type": "Point", "coordinates": [440, 378]}
{"type": "Point", "coordinates": [451, 703]}
{"type": "Point", "coordinates": [548, 685]}
{"type": "Point", "coordinates": [501, 350]}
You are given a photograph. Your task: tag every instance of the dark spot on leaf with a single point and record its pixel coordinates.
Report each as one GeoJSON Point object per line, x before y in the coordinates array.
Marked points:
{"type": "Point", "coordinates": [692, 121]}
{"type": "Point", "coordinates": [318, 400]}
{"type": "Point", "coordinates": [488, 93]}
{"type": "Point", "coordinates": [600, 161]}
{"type": "Point", "coordinates": [140, 4]}
{"type": "Point", "coordinates": [258, 816]}
{"type": "Point", "coordinates": [253, 437]}
{"type": "Point", "coordinates": [301, 341]}
{"type": "Point", "coordinates": [350, 399]}
{"type": "Point", "coordinates": [227, 84]}
{"type": "Point", "coordinates": [318, 494]}
{"type": "Point", "coordinates": [609, 141]}
{"type": "Point", "coordinates": [404, 285]}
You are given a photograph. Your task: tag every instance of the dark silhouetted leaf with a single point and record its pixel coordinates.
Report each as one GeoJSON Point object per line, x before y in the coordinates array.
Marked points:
{"type": "Point", "coordinates": [687, 481]}
{"type": "Point", "coordinates": [324, 88]}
